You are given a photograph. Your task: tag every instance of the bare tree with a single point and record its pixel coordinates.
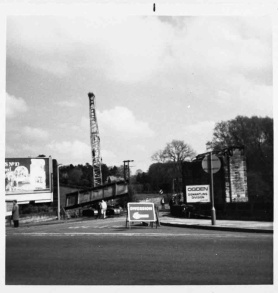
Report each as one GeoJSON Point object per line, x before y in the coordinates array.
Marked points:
{"type": "Point", "coordinates": [159, 156]}
{"type": "Point", "coordinates": [177, 152]}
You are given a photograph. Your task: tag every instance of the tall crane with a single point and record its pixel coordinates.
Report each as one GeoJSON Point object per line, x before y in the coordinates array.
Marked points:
{"type": "Point", "coordinates": [95, 142]}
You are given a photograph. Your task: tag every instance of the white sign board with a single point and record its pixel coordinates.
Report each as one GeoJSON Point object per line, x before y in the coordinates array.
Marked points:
{"type": "Point", "coordinates": [197, 193]}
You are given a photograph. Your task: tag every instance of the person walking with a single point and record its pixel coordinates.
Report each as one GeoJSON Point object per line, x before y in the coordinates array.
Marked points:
{"type": "Point", "coordinates": [171, 203]}
{"type": "Point", "coordinates": [15, 214]}
{"type": "Point", "coordinates": [104, 208]}
{"type": "Point", "coordinates": [163, 203]}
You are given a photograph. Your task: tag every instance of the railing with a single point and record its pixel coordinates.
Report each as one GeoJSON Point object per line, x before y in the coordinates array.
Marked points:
{"type": "Point", "coordinates": [89, 196]}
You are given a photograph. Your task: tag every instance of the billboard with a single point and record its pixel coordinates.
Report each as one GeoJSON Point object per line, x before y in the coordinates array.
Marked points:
{"type": "Point", "coordinates": [28, 179]}
{"type": "Point", "coordinates": [197, 193]}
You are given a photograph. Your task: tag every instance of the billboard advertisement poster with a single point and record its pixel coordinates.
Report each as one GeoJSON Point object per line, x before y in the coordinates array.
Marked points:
{"type": "Point", "coordinates": [27, 175]}
{"type": "Point", "coordinates": [197, 193]}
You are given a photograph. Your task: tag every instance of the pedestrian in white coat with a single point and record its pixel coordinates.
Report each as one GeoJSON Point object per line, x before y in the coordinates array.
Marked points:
{"type": "Point", "coordinates": [104, 208]}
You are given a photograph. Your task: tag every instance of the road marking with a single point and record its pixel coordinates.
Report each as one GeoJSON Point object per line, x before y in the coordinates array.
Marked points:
{"type": "Point", "coordinates": [129, 234]}
{"type": "Point", "coordinates": [79, 227]}
{"type": "Point", "coordinates": [96, 227]}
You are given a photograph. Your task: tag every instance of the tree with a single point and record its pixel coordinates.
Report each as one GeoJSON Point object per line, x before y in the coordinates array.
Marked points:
{"type": "Point", "coordinates": [138, 171]}
{"type": "Point", "coordinates": [256, 135]}
{"type": "Point", "coordinates": [116, 171]}
{"type": "Point", "coordinates": [75, 176]}
{"type": "Point", "coordinates": [161, 175]}
{"type": "Point", "coordinates": [140, 181]}
{"type": "Point", "coordinates": [159, 156]}
{"type": "Point", "coordinates": [104, 172]}
{"type": "Point", "coordinates": [177, 152]}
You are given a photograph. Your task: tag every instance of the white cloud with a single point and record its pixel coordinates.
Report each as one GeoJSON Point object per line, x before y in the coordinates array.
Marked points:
{"type": "Point", "coordinates": [223, 97]}
{"type": "Point", "coordinates": [136, 48]}
{"type": "Point", "coordinates": [34, 133]}
{"type": "Point", "coordinates": [22, 149]}
{"type": "Point", "coordinates": [109, 158]}
{"type": "Point", "coordinates": [15, 106]}
{"type": "Point", "coordinates": [85, 122]}
{"type": "Point", "coordinates": [198, 134]}
{"type": "Point", "coordinates": [69, 104]}
{"type": "Point", "coordinates": [59, 68]}
{"type": "Point", "coordinates": [124, 49]}
{"type": "Point", "coordinates": [130, 49]}
{"type": "Point", "coordinates": [223, 62]}
{"type": "Point", "coordinates": [259, 96]}
{"type": "Point", "coordinates": [123, 121]}
{"type": "Point", "coordinates": [75, 152]}
{"type": "Point", "coordinates": [140, 148]}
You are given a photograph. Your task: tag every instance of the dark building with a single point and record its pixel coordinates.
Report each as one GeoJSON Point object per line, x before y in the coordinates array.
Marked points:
{"type": "Point", "coordinates": [230, 182]}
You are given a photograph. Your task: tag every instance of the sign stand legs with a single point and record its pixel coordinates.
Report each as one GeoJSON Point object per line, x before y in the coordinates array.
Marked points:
{"type": "Point", "coordinates": [127, 221]}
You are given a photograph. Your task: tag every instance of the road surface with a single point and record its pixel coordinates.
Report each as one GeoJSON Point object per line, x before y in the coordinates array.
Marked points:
{"type": "Point", "coordinates": [104, 252]}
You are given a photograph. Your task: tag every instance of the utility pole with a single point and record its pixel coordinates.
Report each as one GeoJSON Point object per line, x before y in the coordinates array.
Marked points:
{"type": "Point", "coordinates": [210, 164]}
{"type": "Point", "coordinates": [127, 170]}
{"type": "Point", "coordinates": [58, 189]}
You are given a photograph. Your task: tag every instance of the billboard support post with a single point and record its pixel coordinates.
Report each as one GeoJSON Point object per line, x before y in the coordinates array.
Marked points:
{"type": "Point", "coordinates": [58, 192]}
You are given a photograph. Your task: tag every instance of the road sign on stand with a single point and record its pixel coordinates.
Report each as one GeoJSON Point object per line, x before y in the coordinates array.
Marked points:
{"type": "Point", "coordinates": [140, 212]}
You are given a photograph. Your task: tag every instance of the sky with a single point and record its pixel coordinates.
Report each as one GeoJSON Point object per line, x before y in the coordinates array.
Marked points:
{"type": "Point", "coordinates": [155, 79]}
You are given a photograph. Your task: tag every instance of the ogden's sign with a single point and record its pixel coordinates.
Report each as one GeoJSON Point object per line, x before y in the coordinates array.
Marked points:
{"type": "Point", "coordinates": [197, 193]}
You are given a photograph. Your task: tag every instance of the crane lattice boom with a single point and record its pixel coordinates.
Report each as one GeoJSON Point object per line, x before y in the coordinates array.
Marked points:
{"type": "Point", "coordinates": [95, 142]}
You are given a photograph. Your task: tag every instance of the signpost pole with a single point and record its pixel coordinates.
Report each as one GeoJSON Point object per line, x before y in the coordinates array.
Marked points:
{"type": "Point", "coordinates": [213, 215]}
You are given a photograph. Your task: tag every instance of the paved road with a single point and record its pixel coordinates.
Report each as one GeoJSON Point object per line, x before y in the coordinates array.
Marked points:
{"type": "Point", "coordinates": [104, 252]}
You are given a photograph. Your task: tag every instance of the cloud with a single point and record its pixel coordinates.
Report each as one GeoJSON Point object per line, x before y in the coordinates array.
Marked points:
{"type": "Point", "coordinates": [261, 98]}
{"type": "Point", "coordinates": [123, 121]}
{"type": "Point", "coordinates": [76, 151]}
{"type": "Point", "coordinates": [216, 47]}
{"type": "Point", "coordinates": [198, 134]}
{"type": "Point", "coordinates": [22, 149]}
{"type": "Point", "coordinates": [85, 123]}
{"type": "Point", "coordinates": [122, 48]}
{"type": "Point", "coordinates": [140, 148]}
{"type": "Point", "coordinates": [69, 104]}
{"type": "Point", "coordinates": [223, 97]}
{"type": "Point", "coordinates": [135, 47]}
{"type": "Point", "coordinates": [15, 106]}
{"type": "Point", "coordinates": [132, 49]}
{"type": "Point", "coordinates": [35, 133]}
{"type": "Point", "coordinates": [109, 158]}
